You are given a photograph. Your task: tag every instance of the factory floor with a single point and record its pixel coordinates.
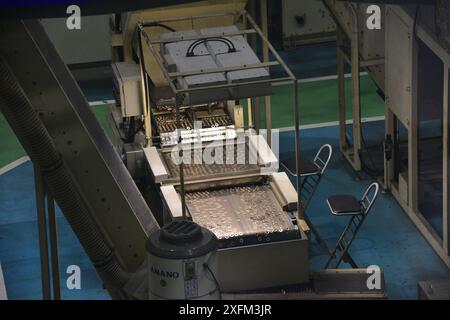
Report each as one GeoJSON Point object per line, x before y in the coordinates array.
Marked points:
{"type": "Point", "coordinates": [388, 238]}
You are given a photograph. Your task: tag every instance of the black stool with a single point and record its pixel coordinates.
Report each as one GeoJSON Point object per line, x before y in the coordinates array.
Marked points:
{"type": "Point", "coordinates": [347, 205]}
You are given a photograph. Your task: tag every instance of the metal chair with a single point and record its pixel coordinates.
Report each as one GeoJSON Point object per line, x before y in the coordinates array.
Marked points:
{"type": "Point", "coordinates": [347, 205]}
{"type": "Point", "coordinates": [311, 173]}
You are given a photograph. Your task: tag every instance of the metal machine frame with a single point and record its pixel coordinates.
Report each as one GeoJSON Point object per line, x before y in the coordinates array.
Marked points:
{"type": "Point", "coordinates": [237, 257]}
{"type": "Point", "coordinates": [172, 76]}
{"type": "Point", "coordinates": [113, 202]}
{"type": "Point", "coordinates": [402, 102]}
{"type": "Point", "coordinates": [348, 18]}
{"type": "Point", "coordinates": [318, 26]}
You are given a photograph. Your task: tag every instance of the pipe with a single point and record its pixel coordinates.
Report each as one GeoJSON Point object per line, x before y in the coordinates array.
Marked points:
{"type": "Point", "coordinates": [144, 93]}
{"type": "Point", "coordinates": [250, 116]}
{"type": "Point", "coordinates": [40, 147]}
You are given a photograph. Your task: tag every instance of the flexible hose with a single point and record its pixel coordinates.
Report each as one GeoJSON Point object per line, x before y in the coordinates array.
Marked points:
{"type": "Point", "coordinates": [41, 149]}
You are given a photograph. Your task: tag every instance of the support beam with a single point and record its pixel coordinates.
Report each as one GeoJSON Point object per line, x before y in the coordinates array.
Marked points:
{"type": "Point", "coordinates": [356, 101]}
{"type": "Point", "coordinates": [341, 87]}
{"type": "Point", "coordinates": [252, 11]}
{"type": "Point", "coordinates": [265, 50]}
{"type": "Point", "coordinates": [56, 279]}
{"type": "Point", "coordinates": [446, 154]}
{"type": "Point", "coordinates": [42, 230]}
{"type": "Point", "coordinates": [413, 135]}
{"type": "Point", "coordinates": [389, 167]}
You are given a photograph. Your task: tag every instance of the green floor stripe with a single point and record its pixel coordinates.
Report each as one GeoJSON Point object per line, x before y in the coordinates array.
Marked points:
{"type": "Point", "coordinates": [318, 102]}
{"type": "Point", "coordinates": [101, 112]}
{"type": "Point", "coordinates": [11, 149]}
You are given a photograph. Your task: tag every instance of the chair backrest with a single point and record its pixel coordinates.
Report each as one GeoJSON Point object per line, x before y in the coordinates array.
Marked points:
{"type": "Point", "coordinates": [369, 197]}
{"type": "Point", "coordinates": [323, 157]}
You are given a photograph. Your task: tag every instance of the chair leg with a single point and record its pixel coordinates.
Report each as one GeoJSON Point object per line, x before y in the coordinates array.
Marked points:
{"type": "Point", "coordinates": [331, 258]}
{"type": "Point", "coordinates": [347, 258]}
{"type": "Point", "coordinates": [344, 257]}
{"type": "Point", "coordinates": [342, 246]}
{"type": "Point", "coordinates": [316, 233]}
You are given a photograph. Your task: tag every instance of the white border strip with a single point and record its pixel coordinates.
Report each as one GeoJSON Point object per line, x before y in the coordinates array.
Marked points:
{"type": "Point", "coordinates": [329, 124]}
{"type": "Point", "coordinates": [101, 102]}
{"type": "Point", "coordinates": [14, 164]}
{"type": "Point", "coordinates": [315, 79]}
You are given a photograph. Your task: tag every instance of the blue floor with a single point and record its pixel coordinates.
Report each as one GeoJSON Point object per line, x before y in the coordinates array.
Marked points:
{"type": "Point", "coordinates": [388, 238]}
{"type": "Point", "coordinates": [315, 60]}
{"type": "Point", "coordinates": [19, 248]}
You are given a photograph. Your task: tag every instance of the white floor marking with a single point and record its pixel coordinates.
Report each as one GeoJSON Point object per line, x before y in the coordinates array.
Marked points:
{"type": "Point", "coordinates": [330, 124]}
{"type": "Point", "coordinates": [14, 164]}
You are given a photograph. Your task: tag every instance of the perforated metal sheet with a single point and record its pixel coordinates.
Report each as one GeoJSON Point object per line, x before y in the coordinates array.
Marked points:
{"type": "Point", "coordinates": [214, 54]}
{"type": "Point", "coordinates": [196, 170]}
{"type": "Point", "coordinates": [239, 211]}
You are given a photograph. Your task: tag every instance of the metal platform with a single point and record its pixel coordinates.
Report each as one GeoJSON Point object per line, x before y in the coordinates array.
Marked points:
{"type": "Point", "coordinates": [257, 234]}
{"type": "Point", "coordinates": [332, 284]}
{"type": "Point", "coordinates": [434, 290]}
{"type": "Point", "coordinates": [241, 157]}
{"type": "Point", "coordinates": [245, 213]}
{"type": "Point", "coordinates": [199, 170]}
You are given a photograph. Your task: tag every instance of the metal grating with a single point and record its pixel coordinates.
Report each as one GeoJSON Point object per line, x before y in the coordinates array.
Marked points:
{"type": "Point", "coordinates": [198, 169]}
{"type": "Point", "coordinates": [239, 211]}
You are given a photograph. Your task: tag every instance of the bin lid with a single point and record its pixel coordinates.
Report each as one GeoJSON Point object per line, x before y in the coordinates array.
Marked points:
{"type": "Point", "coordinates": [181, 239]}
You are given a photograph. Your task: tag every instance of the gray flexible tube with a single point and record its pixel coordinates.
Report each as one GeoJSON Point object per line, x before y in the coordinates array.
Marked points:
{"type": "Point", "coordinates": [40, 147]}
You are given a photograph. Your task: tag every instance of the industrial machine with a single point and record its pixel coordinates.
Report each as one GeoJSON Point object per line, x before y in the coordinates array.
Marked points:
{"type": "Point", "coordinates": [407, 58]}
{"type": "Point", "coordinates": [417, 117]}
{"type": "Point", "coordinates": [193, 143]}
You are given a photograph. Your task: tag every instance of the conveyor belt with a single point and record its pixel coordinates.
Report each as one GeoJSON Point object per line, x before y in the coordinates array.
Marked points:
{"type": "Point", "coordinates": [102, 180]}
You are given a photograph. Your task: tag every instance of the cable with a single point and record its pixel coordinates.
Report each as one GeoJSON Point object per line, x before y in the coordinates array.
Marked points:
{"type": "Point", "coordinates": [372, 172]}
{"type": "Point", "coordinates": [157, 24]}
{"type": "Point", "coordinates": [374, 167]}
{"type": "Point", "coordinates": [191, 48]}
{"type": "Point", "coordinates": [193, 45]}
{"type": "Point", "coordinates": [131, 134]}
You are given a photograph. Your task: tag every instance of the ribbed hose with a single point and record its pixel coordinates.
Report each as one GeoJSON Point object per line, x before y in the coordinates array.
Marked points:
{"type": "Point", "coordinates": [42, 151]}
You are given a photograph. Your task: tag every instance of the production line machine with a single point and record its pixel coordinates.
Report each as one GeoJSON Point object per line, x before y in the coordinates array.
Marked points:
{"type": "Point", "coordinates": [228, 179]}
